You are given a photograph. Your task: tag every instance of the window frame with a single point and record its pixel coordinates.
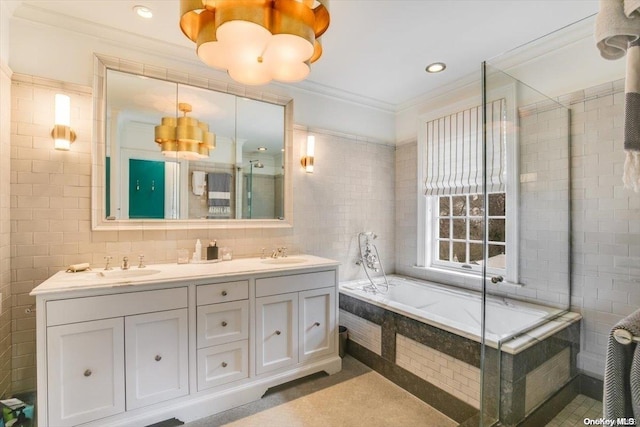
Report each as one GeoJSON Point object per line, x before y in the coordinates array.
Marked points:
{"type": "Point", "coordinates": [427, 225]}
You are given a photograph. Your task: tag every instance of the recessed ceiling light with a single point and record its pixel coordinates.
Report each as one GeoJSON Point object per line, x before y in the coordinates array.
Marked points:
{"type": "Point", "coordinates": [262, 148]}
{"type": "Point", "coordinates": [143, 11]}
{"type": "Point", "coordinates": [436, 67]}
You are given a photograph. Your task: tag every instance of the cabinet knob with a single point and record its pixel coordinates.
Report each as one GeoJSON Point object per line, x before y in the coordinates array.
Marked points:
{"type": "Point", "coordinates": [278, 332]}
{"type": "Point", "coordinates": [87, 373]}
{"type": "Point", "coordinates": [224, 293]}
{"type": "Point", "coordinates": [316, 324]}
{"type": "Point", "coordinates": [158, 358]}
{"type": "Point", "coordinates": [224, 364]}
{"type": "Point", "coordinates": [224, 323]}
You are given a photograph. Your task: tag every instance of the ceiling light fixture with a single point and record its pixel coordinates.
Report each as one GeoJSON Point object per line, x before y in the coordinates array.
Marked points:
{"type": "Point", "coordinates": [184, 137]}
{"type": "Point", "coordinates": [436, 67]}
{"type": "Point", "coordinates": [262, 148]}
{"type": "Point", "coordinates": [143, 11]}
{"type": "Point", "coordinates": [257, 41]}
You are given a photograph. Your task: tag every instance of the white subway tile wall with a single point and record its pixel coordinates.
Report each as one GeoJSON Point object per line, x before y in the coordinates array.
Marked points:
{"type": "Point", "coordinates": [5, 234]}
{"type": "Point", "coordinates": [445, 372]}
{"type": "Point", "coordinates": [351, 189]}
{"type": "Point", "coordinates": [546, 379]}
{"type": "Point", "coordinates": [362, 331]}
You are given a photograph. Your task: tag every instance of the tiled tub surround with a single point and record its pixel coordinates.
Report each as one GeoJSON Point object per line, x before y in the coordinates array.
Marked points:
{"type": "Point", "coordinates": [438, 360]}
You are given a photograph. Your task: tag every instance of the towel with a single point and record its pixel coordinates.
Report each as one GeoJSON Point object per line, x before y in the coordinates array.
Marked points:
{"type": "Point", "coordinates": [621, 398]}
{"type": "Point", "coordinates": [614, 30]}
{"type": "Point", "coordinates": [219, 196]}
{"type": "Point", "coordinates": [197, 182]}
{"type": "Point", "coordinates": [632, 8]}
{"type": "Point", "coordinates": [631, 177]}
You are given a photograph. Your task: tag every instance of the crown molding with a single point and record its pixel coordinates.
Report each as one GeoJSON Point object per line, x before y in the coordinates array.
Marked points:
{"type": "Point", "coordinates": [177, 53]}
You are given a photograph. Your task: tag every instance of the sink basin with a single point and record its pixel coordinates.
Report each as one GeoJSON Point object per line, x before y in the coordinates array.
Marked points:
{"type": "Point", "coordinates": [126, 274]}
{"type": "Point", "coordinates": [285, 261]}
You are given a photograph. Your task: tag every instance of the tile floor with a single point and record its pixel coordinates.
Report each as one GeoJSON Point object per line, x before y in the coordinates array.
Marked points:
{"type": "Point", "coordinates": [328, 403]}
{"type": "Point", "coordinates": [575, 412]}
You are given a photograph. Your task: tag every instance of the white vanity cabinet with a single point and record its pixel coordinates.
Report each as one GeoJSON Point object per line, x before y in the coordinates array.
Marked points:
{"type": "Point", "coordinates": [295, 319]}
{"type": "Point", "coordinates": [198, 340]}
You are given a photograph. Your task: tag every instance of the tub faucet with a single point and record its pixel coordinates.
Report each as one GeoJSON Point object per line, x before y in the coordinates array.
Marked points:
{"type": "Point", "coordinates": [125, 263]}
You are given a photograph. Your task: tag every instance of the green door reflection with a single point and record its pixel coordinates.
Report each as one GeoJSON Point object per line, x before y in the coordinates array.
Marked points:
{"type": "Point", "coordinates": [146, 189]}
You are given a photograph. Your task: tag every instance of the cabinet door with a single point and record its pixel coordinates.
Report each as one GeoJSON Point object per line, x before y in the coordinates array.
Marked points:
{"type": "Point", "coordinates": [222, 323]}
{"type": "Point", "coordinates": [317, 323]}
{"type": "Point", "coordinates": [156, 357]}
{"type": "Point", "coordinates": [277, 332]}
{"type": "Point", "coordinates": [85, 368]}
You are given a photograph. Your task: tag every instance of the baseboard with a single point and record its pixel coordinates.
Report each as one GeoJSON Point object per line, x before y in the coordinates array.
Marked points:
{"type": "Point", "coordinates": [591, 387]}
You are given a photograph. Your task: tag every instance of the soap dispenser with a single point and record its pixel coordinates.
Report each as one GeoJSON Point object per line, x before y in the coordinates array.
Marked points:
{"type": "Point", "coordinates": [212, 250]}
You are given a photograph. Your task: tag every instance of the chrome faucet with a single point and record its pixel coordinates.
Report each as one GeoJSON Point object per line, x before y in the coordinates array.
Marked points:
{"type": "Point", "coordinates": [125, 263]}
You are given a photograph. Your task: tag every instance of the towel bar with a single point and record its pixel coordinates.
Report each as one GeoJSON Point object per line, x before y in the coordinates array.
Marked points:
{"type": "Point", "coordinates": [624, 337]}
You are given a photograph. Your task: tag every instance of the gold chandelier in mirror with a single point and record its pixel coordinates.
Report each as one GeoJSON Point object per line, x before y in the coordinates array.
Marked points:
{"type": "Point", "coordinates": [184, 137]}
{"type": "Point", "coordinates": [257, 41]}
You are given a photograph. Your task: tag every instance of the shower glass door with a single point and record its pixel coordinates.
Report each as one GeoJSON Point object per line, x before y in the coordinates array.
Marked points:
{"type": "Point", "coordinates": [526, 264]}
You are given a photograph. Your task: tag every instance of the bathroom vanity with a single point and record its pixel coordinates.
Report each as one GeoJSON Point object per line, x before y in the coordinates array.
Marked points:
{"type": "Point", "coordinates": [135, 347]}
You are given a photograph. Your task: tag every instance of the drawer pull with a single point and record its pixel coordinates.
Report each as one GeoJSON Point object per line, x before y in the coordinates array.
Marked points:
{"type": "Point", "coordinates": [224, 324]}
{"type": "Point", "coordinates": [224, 364]}
{"type": "Point", "coordinates": [224, 293]}
{"type": "Point", "coordinates": [316, 324]}
{"type": "Point", "coordinates": [87, 373]}
{"type": "Point", "coordinates": [158, 358]}
{"type": "Point", "coordinates": [278, 332]}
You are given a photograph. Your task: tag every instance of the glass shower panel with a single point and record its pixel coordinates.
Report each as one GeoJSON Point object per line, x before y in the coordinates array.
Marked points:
{"type": "Point", "coordinates": [526, 265]}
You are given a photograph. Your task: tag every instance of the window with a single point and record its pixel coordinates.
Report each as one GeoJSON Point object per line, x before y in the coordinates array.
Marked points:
{"type": "Point", "coordinates": [458, 231]}
{"type": "Point", "coordinates": [451, 199]}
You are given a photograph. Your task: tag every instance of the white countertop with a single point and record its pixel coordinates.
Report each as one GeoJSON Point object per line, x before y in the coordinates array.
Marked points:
{"type": "Point", "coordinates": [97, 278]}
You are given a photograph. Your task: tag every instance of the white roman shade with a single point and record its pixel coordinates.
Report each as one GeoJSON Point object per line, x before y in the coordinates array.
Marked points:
{"type": "Point", "coordinates": [453, 151]}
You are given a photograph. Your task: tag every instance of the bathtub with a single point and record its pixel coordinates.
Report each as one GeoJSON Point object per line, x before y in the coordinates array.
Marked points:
{"type": "Point", "coordinates": [453, 310]}
{"type": "Point", "coordinates": [426, 338]}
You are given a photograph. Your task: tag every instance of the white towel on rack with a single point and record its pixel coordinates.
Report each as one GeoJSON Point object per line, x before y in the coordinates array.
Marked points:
{"type": "Point", "coordinates": [621, 398]}
{"type": "Point", "coordinates": [614, 30]}
{"type": "Point", "coordinates": [197, 182]}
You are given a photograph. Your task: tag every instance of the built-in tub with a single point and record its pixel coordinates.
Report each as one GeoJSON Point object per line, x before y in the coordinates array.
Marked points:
{"type": "Point", "coordinates": [426, 338]}
{"type": "Point", "coordinates": [453, 310]}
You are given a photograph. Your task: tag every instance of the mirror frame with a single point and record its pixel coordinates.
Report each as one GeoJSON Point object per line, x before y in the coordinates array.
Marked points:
{"type": "Point", "coordinates": [98, 149]}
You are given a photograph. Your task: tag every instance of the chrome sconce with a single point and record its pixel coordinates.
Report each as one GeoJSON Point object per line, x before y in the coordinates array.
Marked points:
{"type": "Point", "coordinates": [307, 160]}
{"type": "Point", "coordinates": [62, 133]}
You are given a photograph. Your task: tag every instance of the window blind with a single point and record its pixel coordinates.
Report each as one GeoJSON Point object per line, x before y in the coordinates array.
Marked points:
{"type": "Point", "coordinates": [453, 159]}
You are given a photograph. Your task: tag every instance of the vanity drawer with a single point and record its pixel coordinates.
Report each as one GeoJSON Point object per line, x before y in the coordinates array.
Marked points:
{"type": "Point", "coordinates": [222, 323]}
{"type": "Point", "coordinates": [295, 283]}
{"type": "Point", "coordinates": [222, 364]}
{"type": "Point", "coordinates": [74, 310]}
{"type": "Point", "coordinates": [222, 292]}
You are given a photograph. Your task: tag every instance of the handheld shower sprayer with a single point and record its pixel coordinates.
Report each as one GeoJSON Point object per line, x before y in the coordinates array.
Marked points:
{"type": "Point", "coordinates": [370, 259]}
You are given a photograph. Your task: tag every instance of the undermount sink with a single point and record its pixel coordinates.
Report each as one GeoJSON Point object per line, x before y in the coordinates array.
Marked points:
{"type": "Point", "coordinates": [285, 260]}
{"type": "Point", "coordinates": [125, 274]}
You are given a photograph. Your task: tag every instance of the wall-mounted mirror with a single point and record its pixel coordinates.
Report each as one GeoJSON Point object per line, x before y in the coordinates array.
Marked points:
{"type": "Point", "coordinates": [171, 154]}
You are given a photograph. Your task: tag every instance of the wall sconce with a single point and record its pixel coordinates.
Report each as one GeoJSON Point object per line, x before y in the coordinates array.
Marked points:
{"type": "Point", "coordinates": [307, 161]}
{"type": "Point", "coordinates": [62, 133]}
